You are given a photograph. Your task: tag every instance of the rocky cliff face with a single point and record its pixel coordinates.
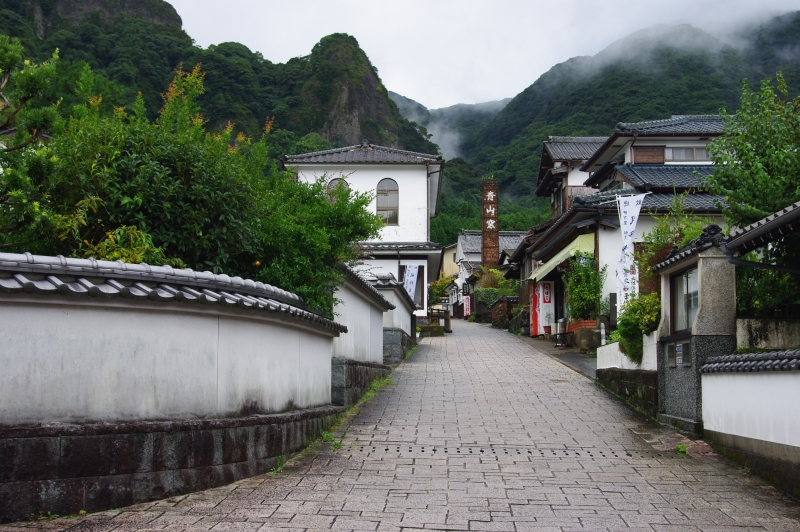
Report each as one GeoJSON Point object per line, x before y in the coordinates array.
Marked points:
{"type": "Point", "coordinates": [343, 99]}
{"type": "Point", "coordinates": [52, 15]}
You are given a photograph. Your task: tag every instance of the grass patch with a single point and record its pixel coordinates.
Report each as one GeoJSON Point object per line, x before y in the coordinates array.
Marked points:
{"type": "Point", "coordinates": [681, 448]}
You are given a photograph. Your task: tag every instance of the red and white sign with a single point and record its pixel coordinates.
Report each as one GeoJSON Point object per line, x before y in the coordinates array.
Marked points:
{"type": "Point", "coordinates": [547, 296]}
{"type": "Point", "coordinates": [467, 307]}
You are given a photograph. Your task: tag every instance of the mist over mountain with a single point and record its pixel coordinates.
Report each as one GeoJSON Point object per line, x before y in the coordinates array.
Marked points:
{"type": "Point", "coordinates": [448, 126]}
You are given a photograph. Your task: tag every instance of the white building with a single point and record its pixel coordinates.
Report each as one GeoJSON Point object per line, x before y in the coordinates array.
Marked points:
{"type": "Point", "coordinates": [406, 186]}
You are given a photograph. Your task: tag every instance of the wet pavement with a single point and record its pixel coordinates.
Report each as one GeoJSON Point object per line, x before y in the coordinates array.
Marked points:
{"type": "Point", "coordinates": [481, 431]}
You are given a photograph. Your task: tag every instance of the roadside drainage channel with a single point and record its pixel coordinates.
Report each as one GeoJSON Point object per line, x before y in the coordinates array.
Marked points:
{"type": "Point", "coordinates": [404, 450]}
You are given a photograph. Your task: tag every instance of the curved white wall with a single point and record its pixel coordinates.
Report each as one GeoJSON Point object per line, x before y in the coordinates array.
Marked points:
{"type": "Point", "coordinates": [609, 355]}
{"type": "Point", "coordinates": [70, 359]}
{"type": "Point", "coordinates": [761, 405]}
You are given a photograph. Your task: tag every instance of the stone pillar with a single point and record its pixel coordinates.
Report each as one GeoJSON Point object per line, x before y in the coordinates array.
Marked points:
{"type": "Point", "coordinates": [490, 236]}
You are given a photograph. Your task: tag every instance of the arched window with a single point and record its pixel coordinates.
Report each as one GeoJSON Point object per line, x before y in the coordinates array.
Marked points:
{"type": "Point", "coordinates": [388, 201]}
{"type": "Point", "coordinates": [333, 183]}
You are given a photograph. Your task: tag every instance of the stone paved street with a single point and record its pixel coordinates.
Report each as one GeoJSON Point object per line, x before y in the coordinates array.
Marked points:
{"type": "Point", "coordinates": [482, 432]}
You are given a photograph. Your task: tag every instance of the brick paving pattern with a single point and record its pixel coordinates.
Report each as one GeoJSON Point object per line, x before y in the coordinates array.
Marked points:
{"type": "Point", "coordinates": [481, 432]}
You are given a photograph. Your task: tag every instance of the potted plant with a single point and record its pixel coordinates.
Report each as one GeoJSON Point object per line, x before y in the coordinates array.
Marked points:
{"type": "Point", "coordinates": [548, 319]}
{"type": "Point", "coordinates": [584, 286]}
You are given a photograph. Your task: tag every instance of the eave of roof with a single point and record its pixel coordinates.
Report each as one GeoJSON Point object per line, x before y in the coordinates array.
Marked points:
{"type": "Point", "coordinates": [386, 281]}
{"type": "Point", "coordinates": [401, 246]}
{"type": "Point", "coordinates": [766, 230]}
{"type": "Point", "coordinates": [658, 128]}
{"type": "Point", "coordinates": [711, 237]}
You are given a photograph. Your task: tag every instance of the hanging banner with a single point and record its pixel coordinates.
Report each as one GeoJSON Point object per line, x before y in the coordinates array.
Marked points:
{"type": "Point", "coordinates": [410, 279]}
{"type": "Point", "coordinates": [626, 274]}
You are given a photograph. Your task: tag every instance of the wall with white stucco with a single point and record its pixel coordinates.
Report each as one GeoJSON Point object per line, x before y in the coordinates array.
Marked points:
{"type": "Point", "coordinates": [757, 405]}
{"type": "Point", "coordinates": [79, 360]}
{"type": "Point", "coordinates": [413, 195]}
{"type": "Point", "coordinates": [400, 316]}
{"type": "Point", "coordinates": [364, 321]}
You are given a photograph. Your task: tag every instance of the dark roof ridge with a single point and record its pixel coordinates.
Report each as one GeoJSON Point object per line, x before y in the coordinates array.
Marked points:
{"type": "Point", "coordinates": [559, 138]}
{"type": "Point", "coordinates": [742, 237]}
{"type": "Point", "coordinates": [753, 362]}
{"type": "Point", "coordinates": [363, 147]}
{"type": "Point", "coordinates": [674, 119]}
{"type": "Point", "coordinates": [387, 280]}
{"type": "Point", "coordinates": [711, 237]}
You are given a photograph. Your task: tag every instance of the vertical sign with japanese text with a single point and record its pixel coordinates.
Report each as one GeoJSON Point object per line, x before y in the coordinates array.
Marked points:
{"type": "Point", "coordinates": [626, 275]}
{"type": "Point", "coordinates": [490, 236]}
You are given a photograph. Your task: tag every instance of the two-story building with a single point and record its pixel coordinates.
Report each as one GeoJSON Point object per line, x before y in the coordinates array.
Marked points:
{"type": "Point", "coordinates": [406, 187]}
{"type": "Point", "coordinates": [660, 158]}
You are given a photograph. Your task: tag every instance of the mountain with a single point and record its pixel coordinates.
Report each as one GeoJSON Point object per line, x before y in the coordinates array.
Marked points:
{"type": "Point", "coordinates": [334, 94]}
{"type": "Point", "coordinates": [651, 74]}
{"type": "Point", "coordinates": [449, 125]}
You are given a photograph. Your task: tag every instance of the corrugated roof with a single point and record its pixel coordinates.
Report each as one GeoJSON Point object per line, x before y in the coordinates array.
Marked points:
{"type": "Point", "coordinates": [364, 153]}
{"type": "Point", "coordinates": [572, 148]}
{"type": "Point", "coordinates": [665, 175]}
{"type": "Point", "coordinates": [36, 274]}
{"type": "Point", "coordinates": [471, 240]}
{"type": "Point", "coordinates": [681, 124]}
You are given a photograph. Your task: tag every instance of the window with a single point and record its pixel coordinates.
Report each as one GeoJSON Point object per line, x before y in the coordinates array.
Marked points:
{"type": "Point", "coordinates": [333, 183]}
{"type": "Point", "coordinates": [686, 154]}
{"type": "Point", "coordinates": [388, 201]}
{"type": "Point", "coordinates": [685, 300]}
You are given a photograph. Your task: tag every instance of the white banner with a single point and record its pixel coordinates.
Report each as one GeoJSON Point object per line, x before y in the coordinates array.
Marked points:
{"type": "Point", "coordinates": [410, 279]}
{"type": "Point", "coordinates": [626, 275]}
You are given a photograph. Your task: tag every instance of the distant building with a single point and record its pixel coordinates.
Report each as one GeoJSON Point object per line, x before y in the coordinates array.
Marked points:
{"type": "Point", "coordinates": [406, 186]}
{"type": "Point", "coordinates": [658, 157]}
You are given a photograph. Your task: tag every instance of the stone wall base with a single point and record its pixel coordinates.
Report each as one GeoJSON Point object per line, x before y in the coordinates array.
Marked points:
{"type": "Point", "coordinates": [350, 379]}
{"type": "Point", "coordinates": [776, 462]}
{"type": "Point", "coordinates": [638, 386]}
{"type": "Point", "coordinates": [63, 468]}
{"type": "Point", "coordinates": [689, 426]}
{"type": "Point", "coordinates": [396, 343]}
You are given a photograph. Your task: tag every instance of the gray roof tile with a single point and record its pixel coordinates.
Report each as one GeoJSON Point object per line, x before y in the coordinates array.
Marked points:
{"type": "Point", "coordinates": [365, 285]}
{"type": "Point", "coordinates": [661, 201]}
{"type": "Point", "coordinates": [766, 230]}
{"type": "Point", "coordinates": [666, 175]}
{"type": "Point", "coordinates": [400, 246]}
{"type": "Point", "coordinates": [386, 281]}
{"type": "Point", "coordinates": [363, 153]}
{"type": "Point", "coordinates": [712, 236]}
{"type": "Point", "coordinates": [471, 240]}
{"type": "Point", "coordinates": [755, 362]}
{"type": "Point", "coordinates": [38, 274]}
{"type": "Point", "coordinates": [572, 148]}
{"type": "Point", "coordinates": [681, 124]}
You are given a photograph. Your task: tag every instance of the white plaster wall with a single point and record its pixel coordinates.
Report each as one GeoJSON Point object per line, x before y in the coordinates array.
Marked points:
{"type": "Point", "coordinates": [400, 316]}
{"type": "Point", "coordinates": [364, 321]}
{"type": "Point", "coordinates": [412, 182]}
{"type": "Point", "coordinates": [576, 178]}
{"type": "Point", "coordinates": [762, 406]}
{"type": "Point", "coordinates": [73, 360]}
{"type": "Point", "coordinates": [609, 356]}
{"type": "Point", "coordinates": [610, 244]}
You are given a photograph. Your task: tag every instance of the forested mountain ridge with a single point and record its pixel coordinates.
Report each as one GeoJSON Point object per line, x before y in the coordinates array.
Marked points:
{"type": "Point", "coordinates": [331, 97]}
{"type": "Point", "coordinates": [650, 74]}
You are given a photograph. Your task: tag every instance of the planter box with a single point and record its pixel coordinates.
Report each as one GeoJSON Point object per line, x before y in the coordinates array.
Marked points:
{"type": "Point", "coordinates": [582, 324]}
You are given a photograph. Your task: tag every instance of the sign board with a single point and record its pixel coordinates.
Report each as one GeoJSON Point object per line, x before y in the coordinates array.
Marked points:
{"type": "Point", "coordinates": [467, 307]}
{"type": "Point", "coordinates": [626, 274]}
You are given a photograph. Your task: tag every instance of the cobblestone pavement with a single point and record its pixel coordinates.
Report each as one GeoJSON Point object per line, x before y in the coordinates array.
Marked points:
{"type": "Point", "coordinates": [481, 432]}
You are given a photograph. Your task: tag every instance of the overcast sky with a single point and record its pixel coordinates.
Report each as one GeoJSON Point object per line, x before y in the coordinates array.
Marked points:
{"type": "Point", "coordinates": [443, 52]}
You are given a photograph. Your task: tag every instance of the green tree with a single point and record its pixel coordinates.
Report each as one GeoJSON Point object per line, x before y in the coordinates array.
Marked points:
{"type": "Point", "coordinates": [25, 164]}
{"type": "Point", "coordinates": [584, 286]}
{"type": "Point", "coordinates": [757, 170]}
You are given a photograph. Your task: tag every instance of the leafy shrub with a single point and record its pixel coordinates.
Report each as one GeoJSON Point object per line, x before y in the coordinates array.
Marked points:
{"type": "Point", "coordinates": [584, 286]}
{"type": "Point", "coordinates": [487, 296]}
{"type": "Point", "coordinates": [641, 315]}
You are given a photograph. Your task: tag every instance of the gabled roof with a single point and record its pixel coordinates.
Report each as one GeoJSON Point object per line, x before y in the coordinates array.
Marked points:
{"type": "Point", "coordinates": [684, 124]}
{"type": "Point", "coordinates": [766, 230]}
{"type": "Point", "coordinates": [665, 175]}
{"type": "Point", "coordinates": [471, 240]}
{"type": "Point", "coordinates": [364, 153]}
{"type": "Point", "coordinates": [572, 148]}
{"type": "Point", "coordinates": [386, 281]}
